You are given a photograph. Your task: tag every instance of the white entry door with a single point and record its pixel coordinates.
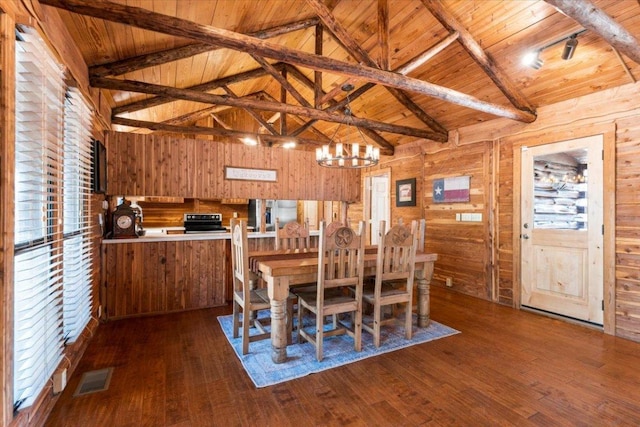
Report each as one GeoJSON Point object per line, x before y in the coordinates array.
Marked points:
{"type": "Point", "coordinates": [379, 196]}
{"type": "Point", "coordinates": [562, 228]}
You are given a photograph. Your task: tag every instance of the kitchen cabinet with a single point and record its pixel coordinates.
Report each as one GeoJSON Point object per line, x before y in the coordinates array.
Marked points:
{"type": "Point", "coordinates": [152, 277]}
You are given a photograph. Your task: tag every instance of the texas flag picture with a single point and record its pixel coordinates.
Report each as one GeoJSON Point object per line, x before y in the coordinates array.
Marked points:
{"type": "Point", "coordinates": [447, 190]}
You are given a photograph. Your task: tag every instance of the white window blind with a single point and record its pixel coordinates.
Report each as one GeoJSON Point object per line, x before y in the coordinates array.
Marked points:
{"type": "Point", "coordinates": [77, 248]}
{"type": "Point", "coordinates": [52, 193]}
{"type": "Point", "coordinates": [38, 255]}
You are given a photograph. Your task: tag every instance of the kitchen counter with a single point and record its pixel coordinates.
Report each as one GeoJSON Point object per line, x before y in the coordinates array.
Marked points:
{"type": "Point", "coordinates": [172, 234]}
{"type": "Point", "coordinates": [162, 272]}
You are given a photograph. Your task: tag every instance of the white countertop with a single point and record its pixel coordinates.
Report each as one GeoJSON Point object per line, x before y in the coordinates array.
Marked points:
{"type": "Point", "coordinates": [160, 235]}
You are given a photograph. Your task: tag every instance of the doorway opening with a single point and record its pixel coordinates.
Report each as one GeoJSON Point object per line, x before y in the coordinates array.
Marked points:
{"type": "Point", "coordinates": [377, 204]}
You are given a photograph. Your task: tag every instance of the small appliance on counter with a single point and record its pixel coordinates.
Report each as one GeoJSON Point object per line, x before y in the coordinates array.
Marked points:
{"type": "Point", "coordinates": [203, 223]}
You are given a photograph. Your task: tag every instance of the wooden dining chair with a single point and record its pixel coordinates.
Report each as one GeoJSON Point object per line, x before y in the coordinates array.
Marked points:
{"type": "Point", "coordinates": [340, 267]}
{"type": "Point", "coordinates": [247, 301]}
{"type": "Point", "coordinates": [395, 270]}
{"type": "Point", "coordinates": [293, 235]}
{"type": "Point", "coordinates": [334, 225]}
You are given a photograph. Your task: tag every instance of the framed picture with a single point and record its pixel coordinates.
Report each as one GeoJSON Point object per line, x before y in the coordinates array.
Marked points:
{"type": "Point", "coordinates": [99, 167]}
{"type": "Point", "coordinates": [406, 192]}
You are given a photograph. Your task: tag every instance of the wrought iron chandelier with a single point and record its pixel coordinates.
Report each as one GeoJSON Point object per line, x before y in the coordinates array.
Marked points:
{"type": "Point", "coordinates": [350, 155]}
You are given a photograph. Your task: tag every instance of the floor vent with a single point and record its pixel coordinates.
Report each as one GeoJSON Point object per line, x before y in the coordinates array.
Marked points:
{"type": "Point", "coordinates": [94, 381]}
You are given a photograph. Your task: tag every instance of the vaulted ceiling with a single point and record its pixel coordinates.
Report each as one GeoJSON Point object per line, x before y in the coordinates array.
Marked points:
{"type": "Point", "coordinates": [419, 68]}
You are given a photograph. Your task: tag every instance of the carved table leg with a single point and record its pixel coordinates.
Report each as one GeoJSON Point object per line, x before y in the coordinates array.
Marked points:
{"type": "Point", "coordinates": [278, 331]}
{"type": "Point", "coordinates": [278, 293]}
{"type": "Point", "coordinates": [424, 279]}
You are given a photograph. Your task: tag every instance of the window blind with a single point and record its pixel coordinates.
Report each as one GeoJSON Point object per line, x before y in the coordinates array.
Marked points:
{"type": "Point", "coordinates": [38, 255]}
{"type": "Point", "coordinates": [52, 193]}
{"type": "Point", "coordinates": [77, 213]}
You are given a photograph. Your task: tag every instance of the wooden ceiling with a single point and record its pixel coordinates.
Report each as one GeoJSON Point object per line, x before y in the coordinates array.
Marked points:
{"type": "Point", "coordinates": [420, 68]}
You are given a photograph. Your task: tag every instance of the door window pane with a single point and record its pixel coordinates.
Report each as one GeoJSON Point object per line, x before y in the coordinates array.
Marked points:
{"type": "Point", "coordinates": [560, 191]}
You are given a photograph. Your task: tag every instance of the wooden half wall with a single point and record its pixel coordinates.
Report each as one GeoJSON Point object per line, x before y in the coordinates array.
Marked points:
{"type": "Point", "coordinates": [150, 165]}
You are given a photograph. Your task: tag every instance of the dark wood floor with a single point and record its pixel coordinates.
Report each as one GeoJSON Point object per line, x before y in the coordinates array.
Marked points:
{"type": "Point", "coordinates": [507, 367]}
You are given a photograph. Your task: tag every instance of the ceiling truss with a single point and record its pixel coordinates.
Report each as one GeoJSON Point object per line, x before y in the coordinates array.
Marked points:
{"type": "Point", "coordinates": [324, 106]}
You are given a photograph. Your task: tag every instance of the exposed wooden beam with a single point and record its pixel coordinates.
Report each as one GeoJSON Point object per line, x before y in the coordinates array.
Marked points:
{"type": "Point", "coordinates": [153, 21]}
{"type": "Point", "coordinates": [220, 121]}
{"type": "Point", "coordinates": [624, 65]}
{"type": "Point", "coordinates": [383, 34]}
{"type": "Point", "coordinates": [192, 116]}
{"type": "Point", "coordinates": [595, 19]}
{"type": "Point", "coordinates": [257, 117]}
{"type": "Point", "coordinates": [209, 98]}
{"type": "Point", "coordinates": [385, 146]}
{"type": "Point", "coordinates": [404, 69]}
{"type": "Point", "coordinates": [201, 130]}
{"type": "Point", "coordinates": [354, 49]}
{"type": "Point", "coordinates": [298, 119]}
{"type": "Point", "coordinates": [204, 87]}
{"type": "Point", "coordinates": [373, 135]}
{"type": "Point", "coordinates": [420, 59]}
{"type": "Point", "coordinates": [280, 79]}
{"type": "Point", "coordinates": [486, 62]}
{"type": "Point", "coordinates": [157, 58]}
{"type": "Point", "coordinates": [337, 89]}
{"type": "Point", "coordinates": [340, 34]}
{"type": "Point", "coordinates": [283, 99]}
{"type": "Point", "coordinates": [317, 75]}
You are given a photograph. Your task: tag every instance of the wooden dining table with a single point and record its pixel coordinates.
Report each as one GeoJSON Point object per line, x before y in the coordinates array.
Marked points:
{"type": "Point", "coordinates": [283, 269]}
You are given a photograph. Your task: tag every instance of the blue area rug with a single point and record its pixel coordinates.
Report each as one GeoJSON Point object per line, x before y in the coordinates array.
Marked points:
{"type": "Point", "coordinates": [338, 351]}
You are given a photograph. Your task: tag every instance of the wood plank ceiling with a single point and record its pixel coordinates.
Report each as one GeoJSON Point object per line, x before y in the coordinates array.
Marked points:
{"type": "Point", "coordinates": [419, 67]}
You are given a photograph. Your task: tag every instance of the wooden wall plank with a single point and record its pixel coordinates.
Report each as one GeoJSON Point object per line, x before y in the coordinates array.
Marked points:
{"type": "Point", "coordinates": [7, 172]}
{"type": "Point", "coordinates": [164, 169]}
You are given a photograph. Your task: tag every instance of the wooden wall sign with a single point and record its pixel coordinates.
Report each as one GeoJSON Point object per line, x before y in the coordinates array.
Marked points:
{"type": "Point", "coordinates": [247, 174]}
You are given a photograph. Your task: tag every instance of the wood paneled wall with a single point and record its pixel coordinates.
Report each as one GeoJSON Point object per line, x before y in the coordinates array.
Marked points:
{"type": "Point", "coordinates": [627, 258]}
{"type": "Point", "coordinates": [454, 240]}
{"type": "Point", "coordinates": [408, 162]}
{"type": "Point", "coordinates": [494, 244]}
{"type": "Point", "coordinates": [148, 165]}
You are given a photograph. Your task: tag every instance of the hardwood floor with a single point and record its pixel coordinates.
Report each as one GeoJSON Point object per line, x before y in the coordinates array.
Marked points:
{"type": "Point", "coordinates": [507, 367]}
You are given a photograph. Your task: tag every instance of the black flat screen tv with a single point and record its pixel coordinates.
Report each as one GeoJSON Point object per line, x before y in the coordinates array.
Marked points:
{"type": "Point", "coordinates": [99, 167]}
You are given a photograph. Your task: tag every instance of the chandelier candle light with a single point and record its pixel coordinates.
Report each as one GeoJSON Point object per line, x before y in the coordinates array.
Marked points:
{"type": "Point", "coordinates": [348, 155]}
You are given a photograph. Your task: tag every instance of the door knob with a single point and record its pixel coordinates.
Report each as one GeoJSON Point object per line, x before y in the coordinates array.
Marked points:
{"type": "Point", "coordinates": [524, 236]}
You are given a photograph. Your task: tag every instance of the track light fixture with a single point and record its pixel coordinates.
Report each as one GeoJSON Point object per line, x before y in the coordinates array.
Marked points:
{"type": "Point", "coordinates": [570, 47]}
{"type": "Point", "coordinates": [532, 59]}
